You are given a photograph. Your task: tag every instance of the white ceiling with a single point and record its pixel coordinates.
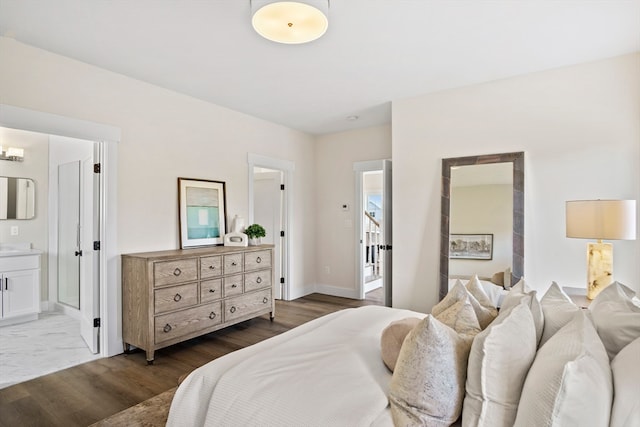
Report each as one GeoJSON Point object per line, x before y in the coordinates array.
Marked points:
{"type": "Point", "coordinates": [374, 51]}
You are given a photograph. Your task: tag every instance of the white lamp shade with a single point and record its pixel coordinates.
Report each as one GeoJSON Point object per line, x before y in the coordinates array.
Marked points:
{"type": "Point", "coordinates": [601, 219]}
{"type": "Point", "coordinates": [290, 22]}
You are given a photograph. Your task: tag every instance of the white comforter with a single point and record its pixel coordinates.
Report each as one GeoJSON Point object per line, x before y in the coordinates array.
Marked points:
{"type": "Point", "coordinates": [327, 372]}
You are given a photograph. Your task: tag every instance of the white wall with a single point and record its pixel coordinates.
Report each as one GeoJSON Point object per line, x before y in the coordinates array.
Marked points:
{"type": "Point", "coordinates": [335, 185]}
{"type": "Point", "coordinates": [580, 130]}
{"type": "Point", "coordinates": [165, 135]}
{"type": "Point", "coordinates": [481, 209]}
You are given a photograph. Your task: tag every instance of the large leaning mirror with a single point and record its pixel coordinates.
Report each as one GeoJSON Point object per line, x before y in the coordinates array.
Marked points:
{"type": "Point", "coordinates": [17, 198]}
{"type": "Point", "coordinates": [482, 217]}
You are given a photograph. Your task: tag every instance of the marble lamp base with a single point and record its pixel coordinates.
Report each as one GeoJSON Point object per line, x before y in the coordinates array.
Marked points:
{"type": "Point", "coordinates": [599, 268]}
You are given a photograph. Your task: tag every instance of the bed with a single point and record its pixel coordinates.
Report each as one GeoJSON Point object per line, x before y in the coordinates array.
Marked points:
{"type": "Point", "coordinates": [241, 388]}
{"type": "Point", "coordinates": [329, 371]}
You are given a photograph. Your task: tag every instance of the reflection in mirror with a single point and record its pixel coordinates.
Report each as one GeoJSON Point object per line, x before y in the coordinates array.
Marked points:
{"type": "Point", "coordinates": [483, 218]}
{"type": "Point", "coordinates": [17, 198]}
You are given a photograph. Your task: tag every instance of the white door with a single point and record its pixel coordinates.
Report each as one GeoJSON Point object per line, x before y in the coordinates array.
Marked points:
{"type": "Point", "coordinates": [387, 232]}
{"type": "Point", "coordinates": [268, 212]}
{"type": "Point", "coordinates": [89, 283]}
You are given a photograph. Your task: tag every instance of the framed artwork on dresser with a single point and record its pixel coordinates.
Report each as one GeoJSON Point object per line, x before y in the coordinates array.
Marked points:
{"type": "Point", "coordinates": [202, 207]}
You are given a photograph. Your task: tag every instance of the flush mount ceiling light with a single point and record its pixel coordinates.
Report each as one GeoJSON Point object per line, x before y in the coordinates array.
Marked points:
{"type": "Point", "coordinates": [290, 22]}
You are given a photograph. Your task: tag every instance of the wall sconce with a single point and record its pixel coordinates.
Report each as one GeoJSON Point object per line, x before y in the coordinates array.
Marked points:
{"type": "Point", "coordinates": [12, 154]}
{"type": "Point", "coordinates": [600, 219]}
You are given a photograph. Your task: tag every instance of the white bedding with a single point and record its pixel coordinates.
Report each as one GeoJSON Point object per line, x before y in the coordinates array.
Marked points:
{"type": "Point", "coordinates": [327, 372]}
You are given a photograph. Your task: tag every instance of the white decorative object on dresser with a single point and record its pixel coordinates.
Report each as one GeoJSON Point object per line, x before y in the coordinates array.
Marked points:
{"type": "Point", "coordinates": [171, 296]}
{"type": "Point", "coordinates": [20, 283]}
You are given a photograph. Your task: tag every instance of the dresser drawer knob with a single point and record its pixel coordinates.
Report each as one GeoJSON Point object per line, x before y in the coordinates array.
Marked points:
{"type": "Point", "coordinates": [167, 328]}
{"type": "Point", "coordinates": [177, 272]}
{"type": "Point", "coordinates": [232, 309]}
{"type": "Point", "coordinates": [177, 298]}
{"type": "Point", "coordinates": [234, 286]}
{"type": "Point", "coordinates": [212, 267]}
{"type": "Point", "coordinates": [212, 290]}
{"type": "Point", "coordinates": [234, 263]}
{"type": "Point", "coordinates": [258, 260]}
{"type": "Point", "coordinates": [259, 279]}
{"type": "Point", "coordinates": [265, 300]}
{"type": "Point", "coordinates": [212, 315]}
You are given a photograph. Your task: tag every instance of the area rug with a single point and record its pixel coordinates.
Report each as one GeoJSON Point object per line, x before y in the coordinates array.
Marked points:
{"type": "Point", "coordinates": [150, 413]}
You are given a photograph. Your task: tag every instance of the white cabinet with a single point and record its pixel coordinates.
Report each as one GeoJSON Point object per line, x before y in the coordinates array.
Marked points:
{"type": "Point", "coordinates": [19, 287]}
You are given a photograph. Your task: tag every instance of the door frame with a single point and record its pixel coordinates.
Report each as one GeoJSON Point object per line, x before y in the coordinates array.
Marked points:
{"type": "Point", "coordinates": [287, 167]}
{"type": "Point", "coordinates": [359, 169]}
{"type": "Point", "coordinates": [107, 138]}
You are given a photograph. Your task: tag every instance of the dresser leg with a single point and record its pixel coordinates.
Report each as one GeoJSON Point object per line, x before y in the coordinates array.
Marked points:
{"type": "Point", "coordinates": [127, 348]}
{"type": "Point", "coordinates": [272, 316]}
{"type": "Point", "coordinates": [150, 357]}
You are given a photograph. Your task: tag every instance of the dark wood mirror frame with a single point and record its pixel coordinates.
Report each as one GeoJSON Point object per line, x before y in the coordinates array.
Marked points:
{"type": "Point", "coordinates": [517, 267]}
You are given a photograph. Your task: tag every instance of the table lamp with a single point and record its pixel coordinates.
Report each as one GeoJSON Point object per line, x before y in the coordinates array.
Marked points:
{"type": "Point", "coordinates": [600, 219]}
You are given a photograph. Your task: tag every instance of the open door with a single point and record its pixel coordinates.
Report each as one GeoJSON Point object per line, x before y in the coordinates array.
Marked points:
{"type": "Point", "coordinates": [268, 206]}
{"type": "Point", "coordinates": [387, 231]}
{"type": "Point", "coordinates": [89, 259]}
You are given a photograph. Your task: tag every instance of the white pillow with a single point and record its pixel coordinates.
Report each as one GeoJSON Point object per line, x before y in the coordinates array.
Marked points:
{"type": "Point", "coordinates": [616, 317]}
{"type": "Point", "coordinates": [569, 383]}
{"type": "Point", "coordinates": [499, 360]}
{"type": "Point", "coordinates": [557, 309]}
{"type": "Point", "coordinates": [519, 291]}
{"type": "Point", "coordinates": [460, 293]}
{"type": "Point", "coordinates": [427, 387]}
{"type": "Point", "coordinates": [461, 318]}
{"type": "Point", "coordinates": [626, 386]}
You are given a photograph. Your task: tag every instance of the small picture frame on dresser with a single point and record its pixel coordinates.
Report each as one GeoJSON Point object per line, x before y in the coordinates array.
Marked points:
{"type": "Point", "coordinates": [202, 211]}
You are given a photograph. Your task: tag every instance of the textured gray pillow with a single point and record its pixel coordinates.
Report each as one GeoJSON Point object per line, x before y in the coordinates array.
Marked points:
{"type": "Point", "coordinates": [460, 293]}
{"type": "Point", "coordinates": [427, 387]}
{"type": "Point", "coordinates": [519, 291]}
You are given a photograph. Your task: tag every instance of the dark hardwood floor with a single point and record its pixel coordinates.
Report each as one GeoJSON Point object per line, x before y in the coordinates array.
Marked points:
{"type": "Point", "coordinates": [84, 394]}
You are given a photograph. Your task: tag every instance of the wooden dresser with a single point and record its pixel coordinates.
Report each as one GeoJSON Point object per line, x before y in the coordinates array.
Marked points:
{"type": "Point", "coordinates": [172, 296]}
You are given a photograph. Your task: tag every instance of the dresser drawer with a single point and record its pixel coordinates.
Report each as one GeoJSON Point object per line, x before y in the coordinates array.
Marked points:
{"type": "Point", "coordinates": [173, 325]}
{"type": "Point", "coordinates": [256, 260]}
{"type": "Point", "coordinates": [257, 280]}
{"type": "Point", "coordinates": [233, 285]}
{"type": "Point", "coordinates": [177, 271]}
{"type": "Point", "coordinates": [232, 263]}
{"type": "Point", "coordinates": [242, 305]}
{"type": "Point", "coordinates": [211, 290]}
{"type": "Point", "coordinates": [210, 266]}
{"type": "Point", "coordinates": [175, 297]}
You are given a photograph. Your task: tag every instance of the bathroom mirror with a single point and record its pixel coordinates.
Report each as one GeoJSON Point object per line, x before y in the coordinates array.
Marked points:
{"type": "Point", "coordinates": [477, 171]}
{"type": "Point", "coordinates": [17, 198]}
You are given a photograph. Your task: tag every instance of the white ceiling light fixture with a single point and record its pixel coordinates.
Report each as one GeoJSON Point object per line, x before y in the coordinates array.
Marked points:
{"type": "Point", "coordinates": [290, 22]}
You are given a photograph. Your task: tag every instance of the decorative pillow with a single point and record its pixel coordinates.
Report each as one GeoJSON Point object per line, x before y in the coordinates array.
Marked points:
{"type": "Point", "coordinates": [392, 338]}
{"type": "Point", "coordinates": [461, 318]}
{"type": "Point", "coordinates": [569, 383]}
{"type": "Point", "coordinates": [427, 387]}
{"type": "Point", "coordinates": [519, 291]}
{"type": "Point", "coordinates": [499, 360]}
{"type": "Point", "coordinates": [557, 309]}
{"type": "Point", "coordinates": [616, 317]}
{"type": "Point", "coordinates": [460, 293]}
{"type": "Point", "coordinates": [626, 380]}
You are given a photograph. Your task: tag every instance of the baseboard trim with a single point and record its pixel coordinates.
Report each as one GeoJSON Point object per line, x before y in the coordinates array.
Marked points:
{"type": "Point", "coordinates": [301, 292]}
{"type": "Point", "coordinates": [337, 291]}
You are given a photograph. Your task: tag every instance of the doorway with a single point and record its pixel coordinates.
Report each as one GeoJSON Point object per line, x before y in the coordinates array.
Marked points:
{"type": "Point", "coordinates": [270, 204]}
{"type": "Point", "coordinates": [373, 231]}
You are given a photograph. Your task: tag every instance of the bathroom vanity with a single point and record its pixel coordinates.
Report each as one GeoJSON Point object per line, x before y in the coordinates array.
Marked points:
{"type": "Point", "coordinates": [20, 283]}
